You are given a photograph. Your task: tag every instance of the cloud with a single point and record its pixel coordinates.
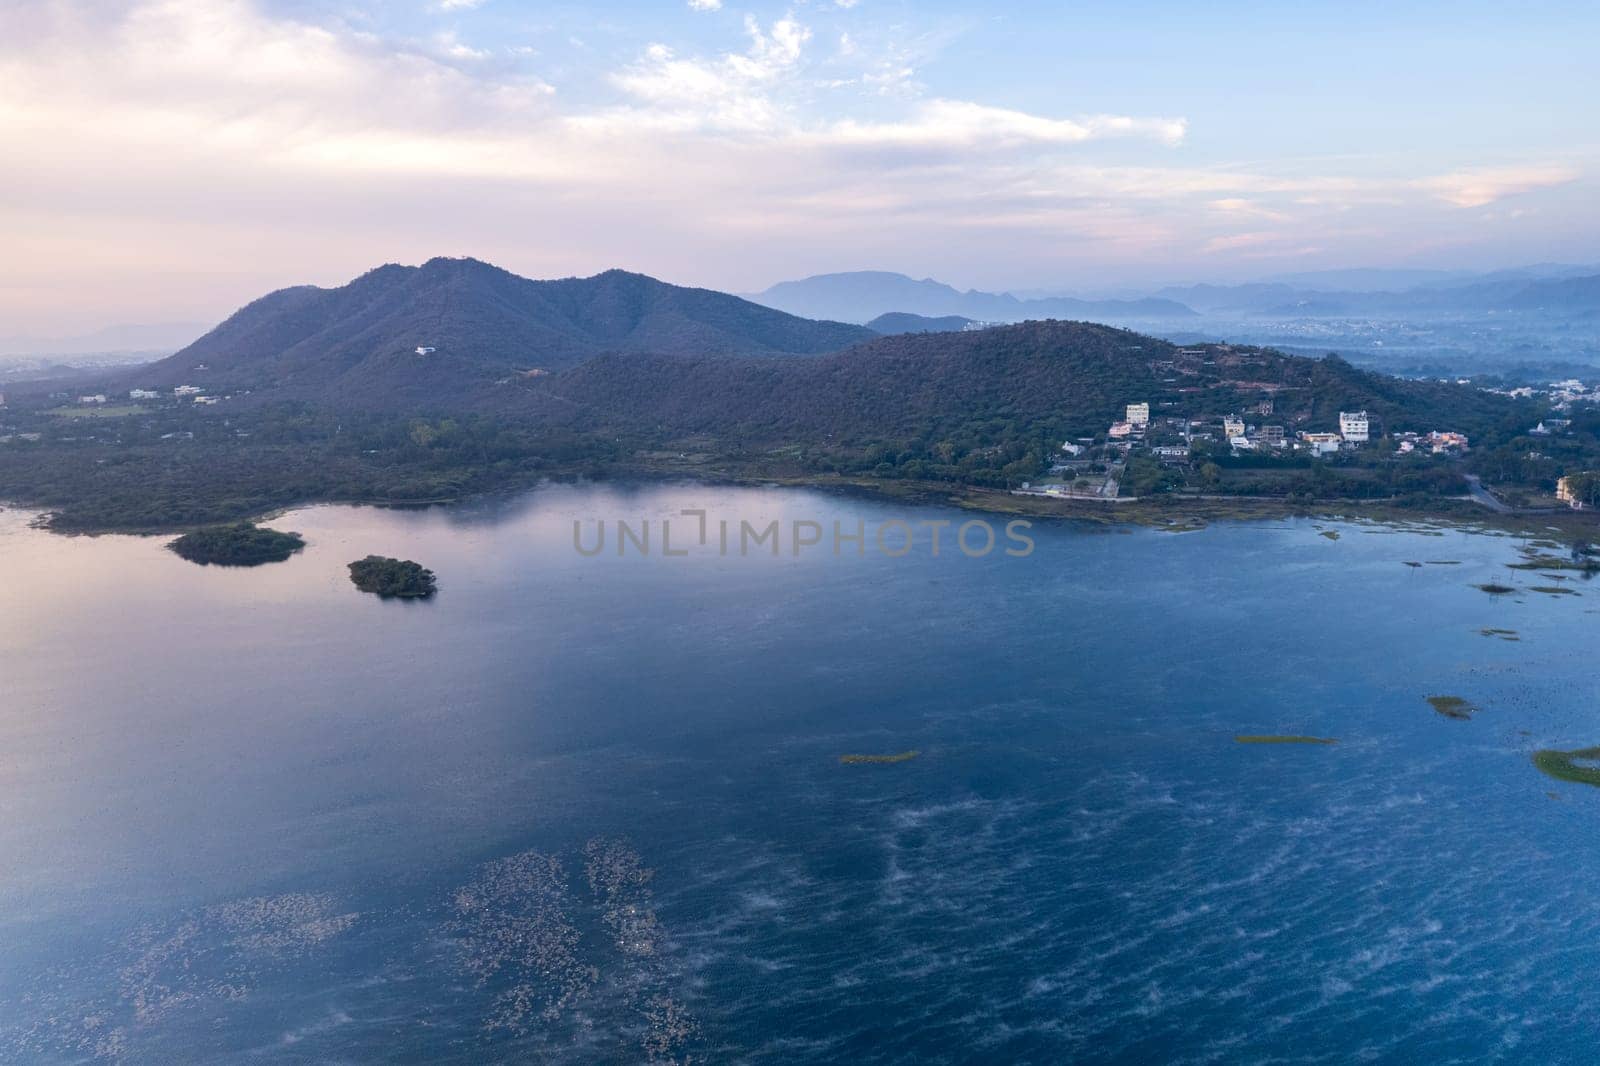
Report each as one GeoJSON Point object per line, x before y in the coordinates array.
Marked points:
{"type": "Point", "coordinates": [961, 124]}
{"type": "Point", "coordinates": [705, 5]}
{"type": "Point", "coordinates": [217, 142]}
{"type": "Point", "coordinates": [1477, 188]}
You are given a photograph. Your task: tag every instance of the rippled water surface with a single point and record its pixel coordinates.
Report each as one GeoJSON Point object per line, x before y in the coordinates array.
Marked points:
{"type": "Point", "coordinates": [592, 809]}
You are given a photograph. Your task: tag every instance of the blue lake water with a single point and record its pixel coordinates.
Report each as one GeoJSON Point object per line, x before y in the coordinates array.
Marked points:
{"type": "Point", "coordinates": [257, 816]}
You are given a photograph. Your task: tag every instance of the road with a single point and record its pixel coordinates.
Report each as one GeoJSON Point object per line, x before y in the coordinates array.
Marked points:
{"type": "Point", "coordinates": [1485, 497]}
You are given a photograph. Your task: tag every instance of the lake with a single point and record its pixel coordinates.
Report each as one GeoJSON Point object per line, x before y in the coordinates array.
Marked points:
{"type": "Point", "coordinates": [592, 808]}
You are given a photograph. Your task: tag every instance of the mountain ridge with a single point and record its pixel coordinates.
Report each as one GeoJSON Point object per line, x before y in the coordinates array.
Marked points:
{"type": "Point", "coordinates": [460, 325]}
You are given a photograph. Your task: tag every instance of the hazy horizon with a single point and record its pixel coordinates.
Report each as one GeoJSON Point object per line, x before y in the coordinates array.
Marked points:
{"type": "Point", "coordinates": [170, 160]}
{"type": "Point", "coordinates": [167, 335]}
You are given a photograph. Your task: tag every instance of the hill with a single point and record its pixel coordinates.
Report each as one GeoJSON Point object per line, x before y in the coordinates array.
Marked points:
{"type": "Point", "coordinates": [448, 330]}
{"type": "Point", "coordinates": [1052, 378]}
{"type": "Point", "coordinates": [863, 295]}
{"type": "Point", "coordinates": [902, 322]}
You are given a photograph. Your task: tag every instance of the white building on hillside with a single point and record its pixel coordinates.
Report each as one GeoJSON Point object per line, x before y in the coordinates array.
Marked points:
{"type": "Point", "coordinates": [1232, 426]}
{"type": "Point", "coordinates": [143, 394]}
{"type": "Point", "coordinates": [1353, 427]}
{"type": "Point", "coordinates": [1139, 414]}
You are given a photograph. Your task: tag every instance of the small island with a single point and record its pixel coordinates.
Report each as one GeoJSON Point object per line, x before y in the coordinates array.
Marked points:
{"type": "Point", "coordinates": [241, 544]}
{"type": "Point", "coordinates": [1576, 765]}
{"type": "Point", "coordinates": [1453, 707]}
{"type": "Point", "coordinates": [393, 578]}
{"type": "Point", "coordinates": [878, 760]}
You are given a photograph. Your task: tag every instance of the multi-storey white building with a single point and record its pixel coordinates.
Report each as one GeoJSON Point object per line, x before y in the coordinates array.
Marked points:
{"type": "Point", "coordinates": [1353, 427]}
{"type": "Point", "coordinates": [1232, 426]}
{"type": "Point", "coordinates": [1139, 414]}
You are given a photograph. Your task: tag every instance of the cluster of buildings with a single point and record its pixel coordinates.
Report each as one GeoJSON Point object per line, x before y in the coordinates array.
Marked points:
{"type": "Point", "coordinates": [1355, 430]}
{"type": "Point", "coordinates": [192, 393]}
{"type": "Point", "coordinates": [1134, 425]}
{"type": "Point", "coordinates": [1437, 443]}
{"type": "Point", "coordinates": [1561, 394]}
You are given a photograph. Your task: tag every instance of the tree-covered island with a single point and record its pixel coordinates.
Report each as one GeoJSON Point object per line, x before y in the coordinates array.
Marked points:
{"type": "Point", "coordinates": [393, 578]}
{"type": "Point", "coordinates": [239, 544]}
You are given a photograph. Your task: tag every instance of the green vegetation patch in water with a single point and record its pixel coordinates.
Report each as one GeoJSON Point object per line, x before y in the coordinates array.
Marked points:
{"type": "Point", "coordinates": [1331, 534]}
{"type": "Point", "coordinates": [1563, 765]}
{"type": "Point", "coordinates": [1554, 590]}
{"type": "Point", "coordinates": [1285, 738]}
{"type": "Point", "coordinates": [241, 544]}
{"type": "Point", "coordinates": [393, 578]}
{"type": "Point", "coordinates": [1453, 706]}
{"type": "Point", "coordinates": [878, 760]}
{"type": "Point", "coordinates": [1495, 590]}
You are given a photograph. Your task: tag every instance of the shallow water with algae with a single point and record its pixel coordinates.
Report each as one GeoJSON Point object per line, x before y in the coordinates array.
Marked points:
{"type": "Point", "coordinates": [1077, 806]}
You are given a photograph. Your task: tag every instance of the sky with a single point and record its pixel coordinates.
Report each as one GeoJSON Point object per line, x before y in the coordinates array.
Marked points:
{"type": "Point", "coordinates": [169, 160]}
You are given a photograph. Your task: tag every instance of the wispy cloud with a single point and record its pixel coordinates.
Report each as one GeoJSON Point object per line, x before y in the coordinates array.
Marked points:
{"type": "Point", "coordinates": [962, 124]}
{"type": "Point", "coordinates": [1477, 188]}
{"type": "Point", "coordinates": [141, 126]}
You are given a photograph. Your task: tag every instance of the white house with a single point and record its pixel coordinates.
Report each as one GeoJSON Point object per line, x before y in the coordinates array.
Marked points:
{"type": "Point", "coordinates": [1139, 414]}
{"type": "Point", "coordinates": [97, 398]}
{"type": "Point", "coordinates": [1232, 427]}
{"type": "Point", "coordinates": [187, 390]}
{"type": "Point", "coordinates": [143, 394]}
{"type": "Point", "coordinates": [426, 351]}
{"type": "Point", "coordinates": [1353, 426]}
{"type": "Point", "coordinates": [1072, 449]}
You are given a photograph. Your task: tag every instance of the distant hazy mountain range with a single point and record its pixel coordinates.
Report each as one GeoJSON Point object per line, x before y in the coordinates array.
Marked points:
{"type": "Point", "coordinates": [1563, 296]}
{"type": "Point", "coordinates": [863, 295]}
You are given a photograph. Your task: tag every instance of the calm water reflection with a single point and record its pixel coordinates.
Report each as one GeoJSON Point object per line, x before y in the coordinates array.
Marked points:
{"type": "Point", "coordinates": [253, 813]}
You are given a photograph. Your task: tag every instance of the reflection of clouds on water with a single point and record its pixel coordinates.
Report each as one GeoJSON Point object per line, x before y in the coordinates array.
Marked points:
{"type": "Point", "coordinates": [214, 956]}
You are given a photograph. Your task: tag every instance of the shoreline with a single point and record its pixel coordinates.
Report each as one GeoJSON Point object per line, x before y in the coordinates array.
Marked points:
{"type": "Point", "coordinates": [1171, 513]}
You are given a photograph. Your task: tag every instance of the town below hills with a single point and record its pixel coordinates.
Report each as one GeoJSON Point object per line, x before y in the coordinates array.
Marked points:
{"type": "Point", "coordinates": [416, 384]}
